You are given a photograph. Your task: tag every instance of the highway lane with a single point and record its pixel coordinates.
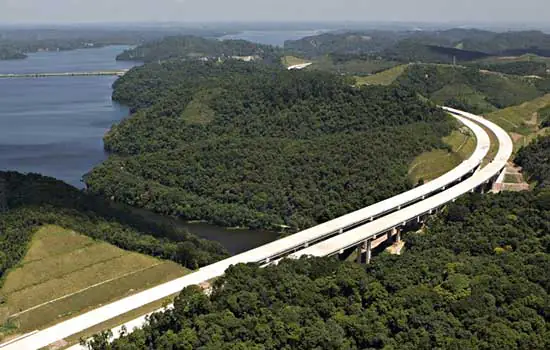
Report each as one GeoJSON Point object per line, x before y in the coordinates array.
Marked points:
{"type": "Point", "coordinates": [259, 255]}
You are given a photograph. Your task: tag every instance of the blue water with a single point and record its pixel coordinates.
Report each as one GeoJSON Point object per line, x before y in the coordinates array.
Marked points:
{"type": "Point", "coordinates": [276, 38]}
{"type": "Point", "coordinates": [55, 126]}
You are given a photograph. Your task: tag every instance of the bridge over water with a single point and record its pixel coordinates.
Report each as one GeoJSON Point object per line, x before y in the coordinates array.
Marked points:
{"type": "Point", "coordinates": [118, 73]}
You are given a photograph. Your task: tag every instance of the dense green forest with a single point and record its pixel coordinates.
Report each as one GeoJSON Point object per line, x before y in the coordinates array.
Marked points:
{"type": "Point", "coordinates": [244, 144]}
{"type": "Point", "coordinates": [33, 200]}
{"type": "Point", "coordinates": [535, 161]}
{"type": "Point", "coordinates": [478, 277]}
{"type": "Point", "coordinates": [194, 47]}
{"type": "Point", "coordinates": [469, 89]}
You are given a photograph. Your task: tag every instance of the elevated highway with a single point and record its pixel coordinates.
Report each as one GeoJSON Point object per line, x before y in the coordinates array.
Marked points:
{"type": "Point", "coordinates": [293, 244]}
{"type": "Point", "coordinates": [363, 236]}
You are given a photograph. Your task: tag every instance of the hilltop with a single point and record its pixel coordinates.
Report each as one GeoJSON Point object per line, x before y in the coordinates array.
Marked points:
{"type": "Point", "coordinates": [194, 47]}
{"type": "Point", "coordinates": [426, 46]}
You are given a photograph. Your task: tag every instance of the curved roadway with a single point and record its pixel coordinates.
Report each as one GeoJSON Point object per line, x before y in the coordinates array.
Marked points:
{"type": "Point", "coordinates": [273, 250]}
{"type": "Point", "coordinates": [379, 227]}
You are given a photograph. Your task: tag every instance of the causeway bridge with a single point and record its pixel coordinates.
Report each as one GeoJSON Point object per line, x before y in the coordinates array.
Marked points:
{"type": "Point", "coordinates": [355, 231]}
{"type": "Point", "coordinates": [117, 73]}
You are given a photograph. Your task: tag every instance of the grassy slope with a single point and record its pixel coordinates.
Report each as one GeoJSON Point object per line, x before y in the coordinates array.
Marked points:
{"type": "Point", "coordinates": [82, 272]}
{"type": "Point", "coordinates": [292, 61]}
{"type": "Point", "coordinates": [521, 121]}
{"type": "Point", "coordinates": [383, 78]}
{"type": "Point", "coordinates": [433, 164]}
{"type": "Point", "coordinates": [357, 67]}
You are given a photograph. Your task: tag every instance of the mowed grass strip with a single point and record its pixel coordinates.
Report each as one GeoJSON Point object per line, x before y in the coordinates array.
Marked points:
{"type": "Point", "coordinates": [386, 77]}
{"type": "Point", "coordinates": [431, 165]}
{"type": "Point", "coordinates": [65, 273]}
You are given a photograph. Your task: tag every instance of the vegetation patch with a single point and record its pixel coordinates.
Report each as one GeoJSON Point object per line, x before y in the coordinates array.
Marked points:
{"type": "Point", "coordinates": [197, 111]}
{"type": "Point", "coordinates": [524, 121]}
{"type": "Point", "coordinates": [535, 161]}
{"type": "Point", "coordinates": [432, 164]}
{"type": "Point", "coordinates": [354, 65]}
{"type": "Point", "coordinates": [386, 77]}
{"type": "Point", "coordinates": [293, 61]}
{"type": "Point", "coordinates": [65, 273]}
{"type": "Point", "coordinates": [469, 89]}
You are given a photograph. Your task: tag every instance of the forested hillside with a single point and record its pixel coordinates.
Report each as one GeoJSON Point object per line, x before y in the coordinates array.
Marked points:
{"type": "Point", "coordinates": [469, 89]}
{"type": "Point", "coordinates": [193, 47]}
{"type": "Point", "coordinates": [241, 144]}
{"type": "Point", "coordinates": [477, 278]}
{"type": "Point", "coordinates": [535, 161]}
{"type": "Point", "coordinates": [34, 200]}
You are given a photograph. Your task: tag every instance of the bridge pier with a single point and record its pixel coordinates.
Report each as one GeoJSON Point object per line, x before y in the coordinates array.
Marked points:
{"type": "Point", "coordinates": [368, 251]}
{"type": "Point", "coordinates": [364, 249]}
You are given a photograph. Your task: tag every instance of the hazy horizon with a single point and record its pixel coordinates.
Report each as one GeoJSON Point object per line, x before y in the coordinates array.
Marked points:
{"type": "Point", "coordinates": [527, 12]}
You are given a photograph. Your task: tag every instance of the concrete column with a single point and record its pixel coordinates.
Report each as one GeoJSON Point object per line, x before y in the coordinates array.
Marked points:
{"type": "Point", "coordinates": [359, 253]}
{"type": "Point", "coordinates": [368, 248]}
{"type": "Point", "coordinates": [398, 237]}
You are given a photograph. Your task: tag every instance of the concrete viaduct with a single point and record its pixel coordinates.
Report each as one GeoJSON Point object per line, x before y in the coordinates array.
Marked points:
{"type": "Point", "coordinates": [357, 230]}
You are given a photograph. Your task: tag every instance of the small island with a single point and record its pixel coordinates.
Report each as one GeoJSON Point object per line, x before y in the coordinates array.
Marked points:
{"type": "Point", "coordinates": [10, 54]}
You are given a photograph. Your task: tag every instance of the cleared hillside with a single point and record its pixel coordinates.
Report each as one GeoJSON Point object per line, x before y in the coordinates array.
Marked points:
{"type": "Point", "coordinates": [469, 88]}
{"type": "Point", "coordinates": [524, 122]}
{"type": "Point", "coordinates": [65, 273]}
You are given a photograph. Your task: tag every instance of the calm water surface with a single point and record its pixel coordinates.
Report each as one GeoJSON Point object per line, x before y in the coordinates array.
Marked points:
{"type": "Point", "coordinates": [276, 37]}
{"type": "Point", "coordinates": [55, 126]}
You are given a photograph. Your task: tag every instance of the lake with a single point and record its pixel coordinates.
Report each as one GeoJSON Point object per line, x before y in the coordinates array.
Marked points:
{"type": "Point", "coordinates": [55, 126]}
{"type": "Point", "coordinates": [275, 37]}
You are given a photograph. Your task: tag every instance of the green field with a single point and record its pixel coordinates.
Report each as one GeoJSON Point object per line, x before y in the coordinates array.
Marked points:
{"type": "Point", "coordinates": [383, 78]}
{"type": "Point", "coordinates": [433, 164]}
{"type": "Point", "coordinates": [65, 273]}
{"type": "Point", "coordinates": [353, 67]}
{"type": "Point", "coordinates": [522, 121]}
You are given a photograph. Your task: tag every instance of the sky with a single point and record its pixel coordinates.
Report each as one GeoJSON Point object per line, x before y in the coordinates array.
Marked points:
{"type": "Point", "coordinates": [74, 11]}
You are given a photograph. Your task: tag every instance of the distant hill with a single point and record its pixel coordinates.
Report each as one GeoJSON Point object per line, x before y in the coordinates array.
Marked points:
{"type": "Point", "coordinates": [470, 89]}
{"type": "Point", "coordinates": [193, 47]}
{"type": "Point", "coordinates": [445, 46]}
